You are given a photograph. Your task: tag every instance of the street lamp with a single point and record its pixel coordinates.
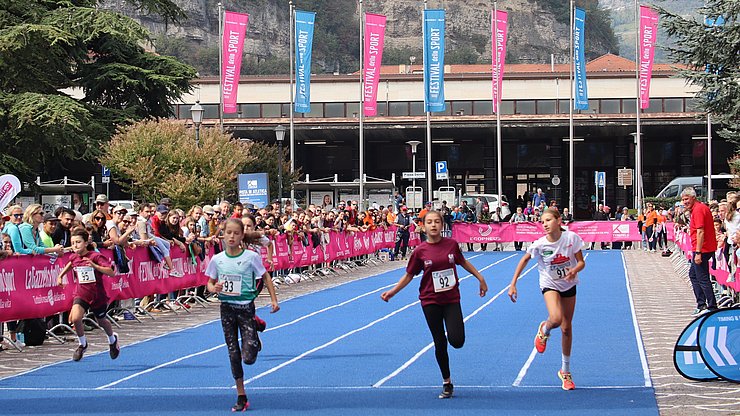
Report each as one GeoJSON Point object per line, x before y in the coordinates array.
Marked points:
{"type": "Point", "coordinates": [196, 113]}
{"type": "Point", "coordinates": [413, 144]}
{"type": "Point", "coordinates": [280, 135]}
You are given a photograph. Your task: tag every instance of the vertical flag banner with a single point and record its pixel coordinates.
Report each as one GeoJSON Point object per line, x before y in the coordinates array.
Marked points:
{"type": "Point", "coordinates": [434, 60]}
{"type": "Point", "coordinates": [235, 29]}
{"type": "Point", "coordinates": [500, 26]}
{"type": "Point", "coordinates": [579, 60]}
{"type": "Point", "coordinates": [374, 41]}
{"type": "Point", "coordinates": [304, 22]}
{"type": "Point", "coordinates": [648, 35]}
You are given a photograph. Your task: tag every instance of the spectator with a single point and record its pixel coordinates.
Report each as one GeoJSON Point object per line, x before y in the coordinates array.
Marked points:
{"type": "Point", "coordinates": [98, 232]}
{"type": "Point", "coordinates": [520, 217]}
{"type": "Point", "coordinates": [484, 218]}
{"type": "Point", "coordinates": [62, 232]}
{"type": "Point", "coordinates": [47, 229]}
{"type": "Point", "coordinates": [118, 236]}
{"type": "Point", "coordinates": [166, 202]}
{"type": "Point", "coordinates": [78, 204]}
{"type": "Point", "coordinates": [529, 209]}
{"type": "Point", "coordinates": [11, 229]}
{"type": "Point", "coordinates": [703, 245]}
{"type": "Point", "coordinates": [478, 206]}
{"type": "Point", "coordinates": [539, 198]}
{"type": "Point", "coordinates": [567, 216]}
{"type": "Point", "coordinates": [102, 204]}
{"type": "Point", "coordinates": [29, 229]}
{"type": "Point", "coordinates": [403, 222]}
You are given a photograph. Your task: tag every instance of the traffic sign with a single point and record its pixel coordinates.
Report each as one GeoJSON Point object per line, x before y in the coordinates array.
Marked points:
{"type": "Point", "coordinates": [105, 172]}
{"type": "Point", "coordinates": [414, 175]}
{"type": "Point", "coordinates": [624, 177]}
{"type": "Point", "coordinates": [441, 170]}
{"type": "Point", "coordinates": [106, 179]}
{"type": "Point", "coordinates": [601, 179]}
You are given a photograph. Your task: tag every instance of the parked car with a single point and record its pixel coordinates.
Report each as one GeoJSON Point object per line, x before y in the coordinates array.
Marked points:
{"type": "Point", "coordinates": [129, 205]}
{"type": "Point", "coordinates": [491, 201]}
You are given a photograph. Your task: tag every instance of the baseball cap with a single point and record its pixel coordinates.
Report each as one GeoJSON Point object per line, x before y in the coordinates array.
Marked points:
{"type": "Point", "coordinates": [101, 199]}
{"type": "Point", "coordinates": [249, 206]}
{"type": "Point", "coordinates": [120, 208]}
{"type": "Point", "coordinates": [162, 208]}
{"type": "Point", "coordinates": [165, 201]}
{"type": "Point", "coordinates": [48, 217]}
{"type": "Point", "coordinates": [404, 208]}
{"type": "Point", "coordinates": [208, 209]}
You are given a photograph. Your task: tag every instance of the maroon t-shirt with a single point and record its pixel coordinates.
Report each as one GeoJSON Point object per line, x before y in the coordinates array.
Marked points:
{"type": "Point", "coordinates": [701, 217]}
{"type": "Point", "coordinates": [439, 283]}
{"type": "Point", "coordinates": [92, 293]}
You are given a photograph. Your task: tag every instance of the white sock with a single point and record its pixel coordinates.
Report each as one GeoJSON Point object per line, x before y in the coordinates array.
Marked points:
{"type": "Point", "coordinates": [545, 329]}
{"type": "Point", "coordinates": [566, 363]}
{"type": "Point", "coordinates": [112, 339]}
{"type": "Point", "coordinates": [83, 340]}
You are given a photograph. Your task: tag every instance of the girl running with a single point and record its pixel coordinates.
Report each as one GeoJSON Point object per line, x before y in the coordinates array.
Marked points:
{"type": "Point", "coordinates": [89, 267]}
{"type": "Point", "coordinates": [559, 259]}
{"type": "Point", "coordinates": [439, 291]}
{"type": "Point", "coordinates": [233, 274]}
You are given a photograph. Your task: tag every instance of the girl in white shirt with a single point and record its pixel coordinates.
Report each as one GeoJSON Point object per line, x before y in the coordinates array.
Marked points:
{"type": "Point", "coordinates": [559, 259]}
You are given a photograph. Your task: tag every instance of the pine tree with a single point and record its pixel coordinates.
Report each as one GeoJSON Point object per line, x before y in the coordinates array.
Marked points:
{"type": "Point", "coordinates": [70, 73]}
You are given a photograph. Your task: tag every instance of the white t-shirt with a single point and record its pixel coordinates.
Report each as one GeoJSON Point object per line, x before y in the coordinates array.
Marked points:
{"type": "Point", "coordinates": [554, 259]}
{"type": "Point", "coordinates": [239, 274]}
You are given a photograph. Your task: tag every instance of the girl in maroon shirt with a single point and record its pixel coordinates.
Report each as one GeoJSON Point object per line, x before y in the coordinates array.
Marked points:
{"type": "Point", "coordinates": [439, 291]}
{"type": "Point", "coordinates": [89, 267]}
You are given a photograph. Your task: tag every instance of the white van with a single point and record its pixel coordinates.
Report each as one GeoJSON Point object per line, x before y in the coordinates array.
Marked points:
{"type": "Point", "coordinates": [720, 186]}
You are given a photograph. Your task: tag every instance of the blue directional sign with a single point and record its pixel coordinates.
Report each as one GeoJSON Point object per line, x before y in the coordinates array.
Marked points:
{"type": "Point", "coordinates": [601, 179]}
{"type": "Point", "coordinates": [441, 169]}
{"type": "Point", "coordinates": [719, 343]}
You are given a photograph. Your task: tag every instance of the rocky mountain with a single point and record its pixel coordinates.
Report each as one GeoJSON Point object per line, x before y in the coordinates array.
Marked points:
{"type": "Point", "coordinates": [538, 28]}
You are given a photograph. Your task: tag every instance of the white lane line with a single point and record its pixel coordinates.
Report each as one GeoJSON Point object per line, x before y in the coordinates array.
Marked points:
{"type": "Point", "coordinates": [638, 335]}
{"type": "Point", "coordinates": [429, 346]}
{"type": "Point", "coordinates": [525, 368]}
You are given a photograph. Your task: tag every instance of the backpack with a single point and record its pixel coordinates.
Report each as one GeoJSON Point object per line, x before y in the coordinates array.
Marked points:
{"type": "Point", "coordinates": [120, 259]}
{"type": "Point", "coordinates": [34, 331]}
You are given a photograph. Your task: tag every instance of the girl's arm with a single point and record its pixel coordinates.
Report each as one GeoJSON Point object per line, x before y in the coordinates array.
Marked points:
{"type": "Point", "coordinates": [402, 283]}
{"type": "Point", "coordinates": [573, 273]}
{"type": "Point", "coordinates": [472, 270]}
{"type": "Point", "coordinates": [65, 270]}
{"type": "Point", "coordinates": [214, 285]}
{"type": "Point", "coordinates": [271, 289]}
{"type": "Point", "coordinates": [519, 268]}
{"type": "Point", "coordinates": [269, 257]}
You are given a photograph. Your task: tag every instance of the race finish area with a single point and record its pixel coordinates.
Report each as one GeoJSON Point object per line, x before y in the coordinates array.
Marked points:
{"type": "Point", "coordinates": [345, 351]}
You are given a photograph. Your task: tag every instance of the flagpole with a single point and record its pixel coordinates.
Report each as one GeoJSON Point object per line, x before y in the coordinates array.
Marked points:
{"type": "Point", "coordinates": [638, 133]}
{"type": "Point", "coordinates": [499, 167]}
{"type": "Point", "coordinates": [709, 157]}
{"type": "Point", "coordinates": [429, 128]}
{"type": "Point", "coordinates": [220, 65]}
{"type": "Point", "coordinates": [571, 148]}
{"type": "Point", "coordinates": [362, 110]}
{"type": "Point", "coordinates": [292, 100]}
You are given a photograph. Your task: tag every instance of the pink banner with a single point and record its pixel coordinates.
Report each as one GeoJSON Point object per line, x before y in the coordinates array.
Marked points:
{"type": "Point", "coordinates": [235, 29]}
{"type": "Point", "coordinates": [590, 231]}
{"type": "Point", "coordinates": [648, 36]}
{"type": "Point", "coordinates": [28, 284]}
{"type": "Point", "coordinates": [374, 41]}
{"type": "Point", "coordinates": [499, 34]}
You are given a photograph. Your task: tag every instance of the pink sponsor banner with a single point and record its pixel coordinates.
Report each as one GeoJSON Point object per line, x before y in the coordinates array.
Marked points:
{"type": "Point", "coordinates": [235, 29]}
{"type": "Point", "coordinates": [374, 41]}
{"type": "Point", "coordinates": [28, 284]}
{"type": "Point", "coordinates": [648, 36]}
{"type": "Point", "coordinates": [499, 35]}
{"type": "Point", "coordinates": [590, 231]}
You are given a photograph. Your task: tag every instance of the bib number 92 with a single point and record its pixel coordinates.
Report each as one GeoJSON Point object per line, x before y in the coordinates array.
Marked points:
{"type": "Point", "coordinates": [444, 280]}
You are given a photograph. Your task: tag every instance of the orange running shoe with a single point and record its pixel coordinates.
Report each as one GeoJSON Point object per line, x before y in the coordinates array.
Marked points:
{"type": "Point", "coordinates": [567, 380]}
{"type": "Point", "coordinates": [540, 340]}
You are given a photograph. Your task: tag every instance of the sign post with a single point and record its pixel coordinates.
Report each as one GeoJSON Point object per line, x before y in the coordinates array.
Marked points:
{"type": "Point", "coordinates": [105, 174]}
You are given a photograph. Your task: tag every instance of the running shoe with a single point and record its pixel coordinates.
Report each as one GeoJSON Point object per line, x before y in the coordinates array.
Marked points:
{"type": "Point", "coordinates": [567, 380]}
{"type": "Point", "coordinates": [115, 349]}
{"type": "Point", "coordinates": [540, 340]}
{"type": "Point", "coordinates": [79, 352]}
{"type": "Point", "coordinates": [175, 273]}
{"type": "Point", "coordinates": [447, 389]}
{"type": "Point", "coordinates": [699, 312]}
{"type": "Point", "coordinates": [261, 324]}
{"type": "Point", "coordinates": [242, 404]}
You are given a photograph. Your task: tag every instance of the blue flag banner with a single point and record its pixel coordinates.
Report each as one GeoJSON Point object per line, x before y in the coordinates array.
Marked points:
{"type": "Point", "coordinates": [686, 356]}
{"type": "Point", "coordinates": [719, 343]}
{"type": "Point", "coordinates": [579, 60]}
{"type": "Point", "coordinates": [434, 60]}
{"type": "Point", "coordinates": [254, 189]}
{"type": "Point", "coordinates": [304, 23]}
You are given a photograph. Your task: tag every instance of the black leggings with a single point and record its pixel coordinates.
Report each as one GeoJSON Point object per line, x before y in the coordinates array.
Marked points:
{"type": "Point", "coordinates": [441, 316]}
{"type": "Point", "coordinates": [236, 319]}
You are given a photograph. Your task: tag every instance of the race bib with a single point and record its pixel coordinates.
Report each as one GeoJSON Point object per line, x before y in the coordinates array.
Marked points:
{"type": "Point", "coordinates": [85, 274]}
{"type": "Point", "coordinates": [559, 272]}
{"type": "Point", "coordinates": [232, 284]}
{"type": "Point", "coordinates": [444, 280]}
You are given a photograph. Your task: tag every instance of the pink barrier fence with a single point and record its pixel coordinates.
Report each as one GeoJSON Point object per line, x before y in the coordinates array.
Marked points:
{"type": "Point", "coordinates": [719, 268]}
{"type": "Point", "coordinates": [28, 284]}
{"type": "Point", "coordinates": [590, 231]}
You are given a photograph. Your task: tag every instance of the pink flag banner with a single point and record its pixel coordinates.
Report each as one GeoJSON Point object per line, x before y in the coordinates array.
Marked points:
{"type": "Point", "coordinates": [232, 44]}
{"type": "Point", "coordinates": [590, 231]}
{"type": "Point", "coordinates": [499, 35]}
{"type": "Point", "coordinates": [648, 35]}
{"type": "Point", "coordinates": [374, 41]}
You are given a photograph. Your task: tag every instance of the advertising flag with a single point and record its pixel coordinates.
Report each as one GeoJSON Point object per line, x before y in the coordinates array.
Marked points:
{"type": "Point", "coordinates": [232, 44]}
{"type": "Point", "coordinates": [579, 60]}
{"type": "Point", "coordinates": [304, 22]}
{"type": "Point", "coordinates": [374, 41]}
{"type": "Point", "coordinates": [499, 34]}
{"type": "Point", "coordinates": [648, 35]}
{"type": "Point", "coordinates": [434, 60]}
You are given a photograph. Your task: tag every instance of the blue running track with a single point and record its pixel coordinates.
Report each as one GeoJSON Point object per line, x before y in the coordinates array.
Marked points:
{"type": "Point", "coordinates": [344, 351]}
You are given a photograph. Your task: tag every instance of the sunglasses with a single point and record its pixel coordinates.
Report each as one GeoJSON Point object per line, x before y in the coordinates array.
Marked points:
{"type": "Point", "coordinates": [126, 222]}
{"type": "Point", "coordinates": [99, 218]}
{"type": "Point", "coordinates": [18, 215]}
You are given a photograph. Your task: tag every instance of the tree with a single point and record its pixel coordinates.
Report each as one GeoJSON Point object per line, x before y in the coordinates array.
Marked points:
{"type": "Point", "coordinates": [156, 159]}
{"type": "Point", "coordinates": [70, 73]}
{"type": "Point", "coordinates": [710, 59]}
